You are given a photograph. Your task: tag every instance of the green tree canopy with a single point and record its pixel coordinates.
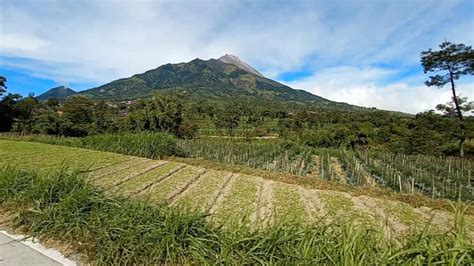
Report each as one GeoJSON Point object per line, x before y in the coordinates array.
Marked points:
{"type": "Point", "coordinates": [3, 86]}
{"type": "Point", "coordinates": [450, 62]}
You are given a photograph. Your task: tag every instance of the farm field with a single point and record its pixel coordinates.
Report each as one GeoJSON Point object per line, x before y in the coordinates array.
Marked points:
{"type": "Point", "coordinates": [432, 176]}
{"type": "Point", "coordinates": [243, 199]}
{"type": "Point", "coordinates": [435, 177]}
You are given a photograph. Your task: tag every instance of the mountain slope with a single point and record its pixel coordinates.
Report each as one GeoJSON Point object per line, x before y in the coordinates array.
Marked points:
{"type": "Point", "coordinates": [234, 60]}
{"type": "Point", "coordinates": [60, 93]}
{"type": "Point", "coordinates": [211, 80]}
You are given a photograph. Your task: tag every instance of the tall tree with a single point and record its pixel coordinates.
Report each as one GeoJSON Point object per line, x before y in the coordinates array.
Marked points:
{"type": "Point", "coordinates": [452, 61]}
{"type": "Point", "coordinates": [8, 111]}
{"type": "Point", "coordinates": [228, 118]}
{"type": "Point", "coordinates": [3, 86]}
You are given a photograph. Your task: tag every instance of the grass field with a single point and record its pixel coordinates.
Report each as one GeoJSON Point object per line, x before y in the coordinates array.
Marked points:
{"type": "Point", "coordinates": [239, 198]}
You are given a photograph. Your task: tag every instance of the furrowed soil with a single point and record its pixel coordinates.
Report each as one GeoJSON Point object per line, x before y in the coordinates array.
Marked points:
{"type": "Point", "coordinates": [228, 197]}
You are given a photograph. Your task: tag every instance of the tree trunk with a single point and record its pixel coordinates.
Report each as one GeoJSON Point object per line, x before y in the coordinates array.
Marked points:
{"type": "Point", "coordinates": [462, 140]}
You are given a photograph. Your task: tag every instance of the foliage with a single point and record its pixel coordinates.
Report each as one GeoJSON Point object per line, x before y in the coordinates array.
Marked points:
{"type": "Point", "coordinates": [449, 109]}
{"type": "Point", "coordinates": [8, 111]}
{"type": "Point", "coordinates": [454, 60]}
{"type": "Point", "coordinates": [160, 113]}
{"type": "Point", "coordinates": [187, 118]}
{"type": "Point", "coordinates": [228, 118]}
{"type": "Point", "coordinates": [3, 86]}
{"type": "Point", "coordinates": [144, 144]}
{"type": "Point", "coordinates": [78, 116]}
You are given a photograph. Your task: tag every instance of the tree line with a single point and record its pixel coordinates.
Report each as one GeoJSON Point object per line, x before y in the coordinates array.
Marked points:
{"type": "Point", "coordinates": [446, 132]}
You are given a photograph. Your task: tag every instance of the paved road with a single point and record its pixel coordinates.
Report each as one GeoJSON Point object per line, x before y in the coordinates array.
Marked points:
{"type": "Point", "coordinates": [18, 252]}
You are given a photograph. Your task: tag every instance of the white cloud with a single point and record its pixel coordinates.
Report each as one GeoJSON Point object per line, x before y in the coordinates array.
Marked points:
{"type": "Point", "coordinates": [19, 44]}
{"type": "Point", "coordinates": [365, 87]}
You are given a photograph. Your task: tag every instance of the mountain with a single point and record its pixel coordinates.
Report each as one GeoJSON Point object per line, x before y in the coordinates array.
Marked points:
{"type": "Point", "coordinates": [60, 93]}
{"type": "Point", "coordinates": [224, 79]}
{"type": "Point", "coordinates": [234, 60]}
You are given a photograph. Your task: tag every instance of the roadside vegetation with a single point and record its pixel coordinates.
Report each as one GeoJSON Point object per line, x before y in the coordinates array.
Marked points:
{"type": "Point", "coordinates": [62, 206]}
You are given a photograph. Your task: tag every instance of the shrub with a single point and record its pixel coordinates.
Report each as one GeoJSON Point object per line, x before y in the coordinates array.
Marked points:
{"type": "Point", "coordinates": [154, 145]}
{"type": "Point", "coordinates": [145, 144]}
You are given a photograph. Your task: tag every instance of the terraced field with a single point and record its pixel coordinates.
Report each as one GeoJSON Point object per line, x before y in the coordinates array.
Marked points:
{"type": "Point", "coordinates": [229, 197]}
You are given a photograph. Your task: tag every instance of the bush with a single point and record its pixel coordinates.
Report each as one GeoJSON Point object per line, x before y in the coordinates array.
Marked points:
{"type": "Point", "coordinates": [154, 145]}
{"type": "Point", "coordinates": [144, 144]}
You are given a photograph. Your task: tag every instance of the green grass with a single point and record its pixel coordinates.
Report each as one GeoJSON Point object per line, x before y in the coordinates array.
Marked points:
{"type": "Point", "coordinates": [288, 205]}
{"type": "Point", "coordinates": [41, 157]}
{"type": "Point", "coordinates": [116, 167]}
{"type": "Point", "coordinates": [135, 183]}
{"type": "Point", "coordinates": [341, 209]}
{"type": "Point", "coordinates": [108, 180]}
{"type": "Point", "coordinates": [152, 145]}
{"type": "Point", "coordinates": [199, 196]}
{"type": "Point", "coordinates": [62, 206]}
{"type": "Point", "coordinates": [240, 204]}
{"type": "Point", "coordinates": [404, 213]}
{"type": "Point", "coordinates": [161, 191]}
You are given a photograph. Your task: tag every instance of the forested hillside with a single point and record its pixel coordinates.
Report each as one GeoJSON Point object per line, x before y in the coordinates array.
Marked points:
{"type": "Point", "coordinates": [424, 133]}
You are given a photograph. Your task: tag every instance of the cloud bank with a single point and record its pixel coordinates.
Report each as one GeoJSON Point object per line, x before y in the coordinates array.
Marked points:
{"type": "Point", "coordinates": [365, 87]}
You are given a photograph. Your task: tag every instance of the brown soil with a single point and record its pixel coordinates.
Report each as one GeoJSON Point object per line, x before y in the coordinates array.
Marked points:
{"type": "Point", "coordinates": [315, 208]}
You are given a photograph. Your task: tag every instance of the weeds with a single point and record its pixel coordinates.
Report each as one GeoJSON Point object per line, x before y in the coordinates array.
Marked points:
{"type": "Point", "coordinates": [152, 145]}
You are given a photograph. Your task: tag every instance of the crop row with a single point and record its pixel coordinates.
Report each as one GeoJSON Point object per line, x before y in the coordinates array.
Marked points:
{"type": "Point", "coordinates": [447, 178]}
{"type": "Point", "coordinates": [434, 176]}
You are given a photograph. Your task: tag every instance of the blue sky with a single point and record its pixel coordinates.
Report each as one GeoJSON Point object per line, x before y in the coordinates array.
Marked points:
{"type": "Point", "coordinates": [362, 52]}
